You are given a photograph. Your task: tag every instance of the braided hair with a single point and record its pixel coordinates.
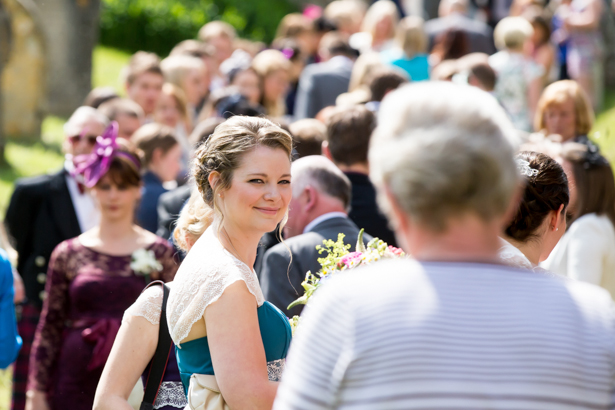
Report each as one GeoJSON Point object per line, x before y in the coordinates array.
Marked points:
{"type": "Point", "coordinates": [545, 191]}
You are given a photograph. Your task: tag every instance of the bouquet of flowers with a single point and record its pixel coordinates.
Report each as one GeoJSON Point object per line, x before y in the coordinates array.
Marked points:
{"type": "Point", "coordinates": [338, 259]}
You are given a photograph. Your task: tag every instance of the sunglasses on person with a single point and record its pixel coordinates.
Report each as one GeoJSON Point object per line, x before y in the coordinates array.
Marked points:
{"type": "Point", "coordinates": [91, 139]}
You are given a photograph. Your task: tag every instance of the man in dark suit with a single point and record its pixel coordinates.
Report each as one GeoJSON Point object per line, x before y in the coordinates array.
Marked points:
{"type": "Point", "coordinates": [43, 212]}
{"type": "Point", "coordinates": [453, 16]}
{"type": "Point", "coordinates": [321, 83]}
{"type": "Point", "coordinates": [170, 205]}
{"type": "Point", "coordinates": [318, 211]}
{"type": "Point", "coordinates": [349, 130]}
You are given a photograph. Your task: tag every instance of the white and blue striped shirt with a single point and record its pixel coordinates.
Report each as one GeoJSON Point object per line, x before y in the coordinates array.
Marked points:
{"type": "Point", "coordinates": [408, 335]}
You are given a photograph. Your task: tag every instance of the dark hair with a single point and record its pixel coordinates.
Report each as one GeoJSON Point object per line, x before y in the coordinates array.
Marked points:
{"type": "Point", "coordinates": [484, 74]}
{"type": "Point", "coordinates": [451, 45]}
{"type": "Point", "coordinates": [154, 136]}
{"type": "Point", "coordinates": [349, 130]}
{"type": "Point", "coordinates": [141, 62]}
{"type": "Point", "coordinates": [384, 80]}
{"type": "Point", "coordinates": [123, 171]}
{"type": "Point", "coordinates": [237, 104]}
{"type": "Point", "coordinates": [538, 20]}
{"type": "Point", "coordinates": [544, 192]}
{"type": "Point", "coordinates": [308, 135]}
{"type": "Point", "coordinates": [100, 95]}
{"type": "Point", "coordinates": [595, 185]}
{"type": "Point", "coordinates": [121, 106]}
{"type": "Point", "coordinates": [203, 130]}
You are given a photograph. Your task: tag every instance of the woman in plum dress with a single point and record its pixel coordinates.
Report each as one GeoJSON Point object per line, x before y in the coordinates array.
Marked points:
{"type": "Point", "coordinates": [92, 280]}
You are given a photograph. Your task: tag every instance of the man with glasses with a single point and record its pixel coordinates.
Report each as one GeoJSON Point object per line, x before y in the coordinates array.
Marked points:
{"type": "Point", "coordinates": [44, 211]}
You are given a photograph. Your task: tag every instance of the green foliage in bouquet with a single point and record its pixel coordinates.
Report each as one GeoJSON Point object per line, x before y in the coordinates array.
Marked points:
{"type": "Point", "coordinates": [338, 259]}
{"type": "Point", "coordinates": [158, 25]}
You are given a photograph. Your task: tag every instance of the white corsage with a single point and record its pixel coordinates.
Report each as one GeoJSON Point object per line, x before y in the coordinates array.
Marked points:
{"type": "Point", "coordinates": [144, 262]}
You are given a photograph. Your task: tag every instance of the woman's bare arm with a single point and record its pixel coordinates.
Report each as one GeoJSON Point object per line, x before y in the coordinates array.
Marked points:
{"type": "Point", "coordinates": [237, 350]}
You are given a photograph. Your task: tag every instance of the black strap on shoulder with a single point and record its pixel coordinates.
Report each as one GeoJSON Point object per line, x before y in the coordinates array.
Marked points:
{"type": "Point", "coordinates": [161, 356]}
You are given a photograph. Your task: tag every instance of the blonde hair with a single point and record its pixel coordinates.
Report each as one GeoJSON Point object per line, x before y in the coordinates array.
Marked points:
{"type": "Point", "coordinates": [215, 29]}
{"type": "Point", "coordinates": [378, 11]}
{"type": "Point", "coordinates": [179, 96]}
{"type": "Point", "coordinates": [558, 93]}
{"type": "Point", "coordinates": [452, 156]}
{"type": "Point", "coordinates": [512, 32]}
{"type": "Point", "coordinates": [226, 147]}
{"type": "Point", "coordinates": [194, 218]}
{"type": "Point", "coordinates": [293, 25]}
{"type": "Point", "coordinates": [265, 63]}
{"type": "Point", "coordinates": [345, 12]}
{"type": "Point", "coordinates": [411, 36]}
{"type": "Point", "coordinates": [177, 67]}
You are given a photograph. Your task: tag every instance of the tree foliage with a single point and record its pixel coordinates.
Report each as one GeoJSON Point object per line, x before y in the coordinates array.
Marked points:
{"type": "Point", "coordinates": [157, 25]}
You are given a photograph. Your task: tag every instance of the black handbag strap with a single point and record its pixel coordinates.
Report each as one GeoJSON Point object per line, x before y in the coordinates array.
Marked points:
{"type": "Point", "coordinates": [158, 364]}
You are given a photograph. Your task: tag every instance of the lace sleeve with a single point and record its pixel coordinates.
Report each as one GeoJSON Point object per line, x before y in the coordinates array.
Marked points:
{"type": "Point", "coordinates": [148, 305]}
{"type": "Point", "coordinates": [202, 278]}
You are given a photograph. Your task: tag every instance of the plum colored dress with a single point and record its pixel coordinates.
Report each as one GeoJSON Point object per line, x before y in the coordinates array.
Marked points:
{"type": "Point", "coordinates": [87, 294]}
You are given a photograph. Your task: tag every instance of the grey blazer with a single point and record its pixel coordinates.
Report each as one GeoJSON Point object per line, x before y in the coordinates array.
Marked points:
{"type": "Point", "coordinates": [320, 84]}
{"type": "Point", "coordinates": [282, 289]}
{"type": "Point", "coordinates": [480, 35]}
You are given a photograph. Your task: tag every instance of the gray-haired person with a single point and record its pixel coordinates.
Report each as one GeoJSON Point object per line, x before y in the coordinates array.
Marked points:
{"type": "Point", "coordinates": [318, 211]}
{"type": "Point", "coordinates": [452, 328]}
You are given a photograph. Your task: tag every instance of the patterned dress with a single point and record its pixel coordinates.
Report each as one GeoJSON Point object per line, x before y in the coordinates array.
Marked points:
{"type": "Point", "coordinates": [87, 294]}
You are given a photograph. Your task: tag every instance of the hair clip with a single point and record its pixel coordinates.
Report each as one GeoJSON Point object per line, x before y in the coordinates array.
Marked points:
{"type": "Point", "coordinates": [525, 169]}
{"type": "Point", "coordinates": [288, 53]}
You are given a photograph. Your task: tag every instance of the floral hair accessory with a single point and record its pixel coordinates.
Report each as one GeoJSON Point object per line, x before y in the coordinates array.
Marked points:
{"type": "Point", "coordinates": [525, 169]}
{"type": "Point", "coordinates": [92, 167]}
{"type": "Point", "coordinates": [288, 53]}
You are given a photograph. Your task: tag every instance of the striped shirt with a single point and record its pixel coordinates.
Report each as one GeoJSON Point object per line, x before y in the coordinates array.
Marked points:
{"type": "Point", "coordinates": [408, 335]}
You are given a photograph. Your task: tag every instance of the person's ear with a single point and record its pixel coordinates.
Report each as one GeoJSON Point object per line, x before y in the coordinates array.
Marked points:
{"type": "Point", "coordinates": [213, 179]}
{"type": "Point", "coordinates": [157, 155]}
{"type": "Point", "coordinates": [398, 220]}
{"type": "Point", "coordinates": [311, 198]}
{"type": "Point", "coordinates": [556, 218]}
{"type": "Point", "coordinates": [326, 151]}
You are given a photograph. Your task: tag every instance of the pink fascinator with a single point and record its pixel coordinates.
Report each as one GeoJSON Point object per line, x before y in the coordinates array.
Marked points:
{"type": "Point", "coordinates": [92, 167]}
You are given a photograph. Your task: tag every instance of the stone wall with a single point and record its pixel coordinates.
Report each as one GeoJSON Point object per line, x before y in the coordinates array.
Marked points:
{"type": "Point", "coordinates": [23, 78]}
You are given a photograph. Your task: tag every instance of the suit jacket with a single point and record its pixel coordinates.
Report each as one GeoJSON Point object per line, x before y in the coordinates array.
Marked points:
{"type": "Point", "coordinates": [320, 84]}
{"type": "Point", "coordinates": [364, 210]}
{"type": "Point", "coordinates": [281, 288]}
{"type": "Point", "coordinates": [479, 34]}
{"type": "Point", "coordinates": [40, 216]}
{"type": "Point", "coordinates": [170, 205]}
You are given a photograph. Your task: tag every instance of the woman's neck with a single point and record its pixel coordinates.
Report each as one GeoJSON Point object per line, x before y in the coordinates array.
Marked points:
{"type": "Point", "coordinates": [115, 229]}
{"type": "Point", "coordinates": [530, 249]}
{"type": "Point", "coordinates": [239, 242]}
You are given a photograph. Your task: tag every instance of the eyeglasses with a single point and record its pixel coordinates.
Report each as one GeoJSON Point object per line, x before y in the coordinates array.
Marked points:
{"type": "Point", "coordinates": [91, 139]}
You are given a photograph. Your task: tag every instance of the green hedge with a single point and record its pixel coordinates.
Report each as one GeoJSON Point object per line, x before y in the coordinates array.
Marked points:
{"type": "Point", "coordinates": [157, 25]}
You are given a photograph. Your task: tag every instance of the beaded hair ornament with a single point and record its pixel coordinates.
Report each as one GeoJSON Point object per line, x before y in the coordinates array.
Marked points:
{"type": "Point", "coordinates": [524, 168]}
{"type": "Point", "coordinates": [92, 167]}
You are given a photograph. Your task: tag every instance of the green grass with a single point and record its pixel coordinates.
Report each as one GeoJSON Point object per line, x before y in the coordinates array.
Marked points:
{"type": "Point", "coordinates": [107, 65]}
{"type": "Point", "coordinates": [604, 129]}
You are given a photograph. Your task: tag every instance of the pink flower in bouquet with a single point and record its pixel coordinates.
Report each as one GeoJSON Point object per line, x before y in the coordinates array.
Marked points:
{"type": "Point", "coordinates": [395, 251]}
{"type": "Point", "coordinates": [352, 259]}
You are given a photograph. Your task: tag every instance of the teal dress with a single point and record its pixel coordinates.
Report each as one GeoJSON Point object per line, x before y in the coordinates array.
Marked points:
{"type": "Point", "coordinates": [194, 356]}
{"type": "Point", "coordinates": [205, 273]}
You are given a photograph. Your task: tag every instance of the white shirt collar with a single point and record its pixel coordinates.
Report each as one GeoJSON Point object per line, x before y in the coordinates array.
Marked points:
{"type": "Point", "coordinates": [322, 218]}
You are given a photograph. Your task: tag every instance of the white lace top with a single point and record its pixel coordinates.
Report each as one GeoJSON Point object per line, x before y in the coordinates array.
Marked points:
{"type": "Point", "coordinates": [148, 305]}
{"type": "Point", "coordinates": [512, 256]}
{"type": "Point", "coordinates": [201, 279]}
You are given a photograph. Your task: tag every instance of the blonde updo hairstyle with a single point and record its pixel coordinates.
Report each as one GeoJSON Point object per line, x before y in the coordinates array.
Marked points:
{"type": "Point", "coordinates": [194, 218]}
{"type": "Point", "coordinates": [224, 151]}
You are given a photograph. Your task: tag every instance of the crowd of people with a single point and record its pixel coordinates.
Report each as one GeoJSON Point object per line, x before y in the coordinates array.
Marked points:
{"type": "Point", "coordinates": [463, 139]}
